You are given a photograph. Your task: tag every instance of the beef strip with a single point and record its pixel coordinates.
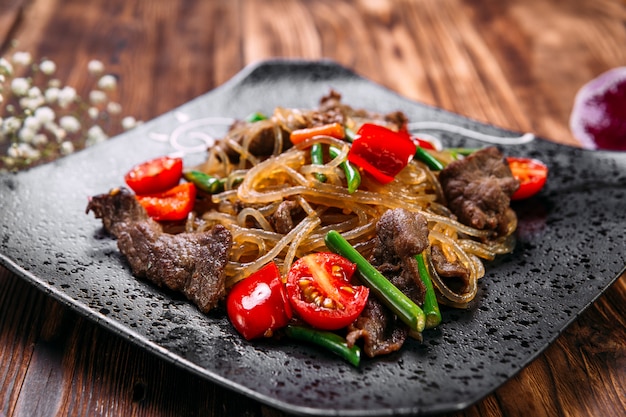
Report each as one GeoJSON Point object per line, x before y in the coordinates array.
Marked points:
{"type": "Point", "coordinates": [191, 263]}
{"type": "Point", "coordinates": [332, 110]}
{"type": "Point", "coordinates": [282, 219]}
{"type": "Point", "coordinates": [478, 190]}
{"type": "Point", "coordinates": [455, 274]}
{"type": "Point", "coordinates": [400, 235]}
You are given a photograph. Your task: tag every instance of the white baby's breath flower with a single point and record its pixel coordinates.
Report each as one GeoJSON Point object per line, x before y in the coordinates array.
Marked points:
{"type": "Point", "coordinates": [31, 122]}
{"type": "Point", "coordinates": [114, 108]}
{"type": "Point", "coordinates": [34, 92]}
{"type": "Point", "coordinates": [67, 95]}
{"type": "Point", "coordinates": [20, 86]}
{"type": "Point", "coordinates": [48, 67]}
{"type": "Point", "coordinates": [11, 125]}
{"type": "Point", "coordinates": [97, 97]}
{"type": "Point", "coordinates": [56, 130]}
{"type": "Point", "coordinates": [22, 58]}
{"type": "Point", "coordinates": [129, 122]}
{"type": "Point", "coordinates": [93, 113]}
{"type": "Point", "coordinates": [30, 104]}
{"type": "Point", "coordinates": [12, 152]}
{"type": "Point", "coordinates": [52, 95]}
{"type": "Point", "coordinates": [95, 67]}
{"type": "Point", "coordinates": [95, 135]}
{"type": "Point", "coordinates": [54, 83]}
{"type": "Point", "coordinates": [70, 123]}
{"type": "Point", "coordinates": [66, 147]}
{"type": "Point", "coordinates": [107, 82]}
{"type": "Point", "coordinates": [5, 67]}
{"type": "Point", "coordinates": [23, 150]}
{"type": "Point", "coordinates": [40, 139]}
{"type": "Point", "coordinates": [45, 115]}
{"type": "Point", "coordinates": [26, 134]}
{"type": "Point", "coordinates": [1, 98]}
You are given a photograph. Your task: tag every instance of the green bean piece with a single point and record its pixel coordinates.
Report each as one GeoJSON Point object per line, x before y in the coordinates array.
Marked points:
{"type": "Point", "coordinates": [317, 158]}
{"type": "Point", "coordinates": [350, 134]}
{"type": "Point", "coordinates": [327, 340]}
{"type": "Point", "coordinates": [353, 176]}
{"type": "Point", "coordinates": [255, 117]}
{"type": "Point", "coordinates": [462, 151]}
{"type": "Point", "coordinates": [431, 306]}
{"type": "Point", "coordinates": [428, 159]}
{"type": "Point", "coordinates": [409, 312]}
{"type": "Point", "coordinates": [205, 182]}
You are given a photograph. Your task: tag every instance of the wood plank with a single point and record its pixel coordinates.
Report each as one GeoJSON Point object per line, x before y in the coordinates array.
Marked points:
{"type": "Point", "coordinates": [517, 64]}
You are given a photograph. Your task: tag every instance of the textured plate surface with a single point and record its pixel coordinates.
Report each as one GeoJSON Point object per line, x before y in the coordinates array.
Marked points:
{"type": "Point", "coordinates": [571, 247]}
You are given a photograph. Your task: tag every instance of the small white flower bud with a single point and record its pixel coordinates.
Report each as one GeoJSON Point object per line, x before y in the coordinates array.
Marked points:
{"type": "Point", "coordinates": [129, 122]}
{"type": "Point", "coordinates": [70, 124]}
{"type": "Point", "coordinates": [93, 112]}
{"type": "Point", "coordinates": [26, 134]}
{"type": "Point", "coordinates": [66, 147]}
{"type": "Point", "coordinates": [31, 122]}
{"type": "Point", "coordinates": [40, 139]}
{"type": "Point", "coordinates": [52, 94]}
{"type": "Point", "coordinates": [67, 95]}
{"type": "Point", "coordinates": [95, 67]}
{"type": "Point", "coordinates": [107, 82]}
{"type": "Point", "coordinates": [22, 58]}
{"type": "Point", "coordinates": [5, 67]}
{"type": "Point", "coordinates": [114, 108]}
{"type": "Point", "coordinates": [97, 97]}
{"type": "Point", "coordinates": [45, 115]}
{"type": "Point", "coordinates": [48, 67]}
{"type": "Point", "coordinates": [20, 86]}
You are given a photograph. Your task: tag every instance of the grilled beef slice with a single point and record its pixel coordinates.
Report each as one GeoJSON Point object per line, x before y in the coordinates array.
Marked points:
{"type": "Point", "coordinates": [478, 190]}
{"type": "Point", "coordinates": [454, 273]}
{"type": "Point", "coordinates": [191, 263]}
{"type": "Point", "coordinates": [401, 234]}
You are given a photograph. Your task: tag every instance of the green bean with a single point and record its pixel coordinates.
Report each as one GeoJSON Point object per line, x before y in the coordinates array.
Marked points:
{"type": "Point", "coordinates": [327, 340]}
{"type": "Point", "coordinates": [255, 117]}
{"type": "Point", "coordinates": [428, 159]}
{"type": "Point", "coordinates": [205, 182]}
{"type": "Point", "coordinates": [461, 151]}
{"type": "Point", "coordinates": [350, 134]}
{"type": "Point", "coordinates": [409, 312]}
{"type": "Point", "coordinates": [431, 307]}
{"type": "Point", "coordinates": [353, 177]}
{"type": "Point", "coordinates": [317, 158]}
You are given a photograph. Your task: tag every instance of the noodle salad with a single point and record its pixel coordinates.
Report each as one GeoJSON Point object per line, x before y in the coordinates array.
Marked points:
{"type": "Point", "coordinates": [346, 229]}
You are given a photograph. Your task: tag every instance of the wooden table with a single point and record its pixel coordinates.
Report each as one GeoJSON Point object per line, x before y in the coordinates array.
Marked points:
{"type": "Point", "coordinates": [514, 63]}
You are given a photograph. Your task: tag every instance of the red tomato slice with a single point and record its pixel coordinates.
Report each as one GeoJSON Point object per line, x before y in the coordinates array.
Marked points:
{"type": "Point", "coordinates": [531, 173]}
{"type": "Point", "coordinates": [320, 292]}
{"type": "Point", "coordinates": [154, 176]}
{"type": "Point", "coordinates": [258, 305]}
{"type": "Point", "coordinates": [173, 204]}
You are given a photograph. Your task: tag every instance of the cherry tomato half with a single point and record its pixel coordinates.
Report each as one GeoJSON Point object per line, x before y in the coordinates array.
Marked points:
{"type": "Point", "coordinates": [173, 204]}
{"type": "Point", "coordinates": [531, 173]}
{"type": "Point", "coordinates": [320, 292]}
{"type": "Point", "coordinates": [258, 305]}
{"type": "Point", "coordinates": [154, 176]}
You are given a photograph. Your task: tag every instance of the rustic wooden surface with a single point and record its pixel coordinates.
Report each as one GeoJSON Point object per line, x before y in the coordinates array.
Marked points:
{"type": "Point", "coordinates": [514, 63]}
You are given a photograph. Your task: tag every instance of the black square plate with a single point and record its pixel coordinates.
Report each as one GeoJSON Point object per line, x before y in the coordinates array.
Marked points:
{"type": "Point", "coordinates": [571, 247]}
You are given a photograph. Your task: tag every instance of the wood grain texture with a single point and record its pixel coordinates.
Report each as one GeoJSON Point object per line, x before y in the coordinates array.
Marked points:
{"type": "Point", "coordinates": [514, 63]}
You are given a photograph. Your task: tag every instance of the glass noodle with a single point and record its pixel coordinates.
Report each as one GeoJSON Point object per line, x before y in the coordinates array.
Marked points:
{"type": "Point", "coordinates": [257, 187]}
